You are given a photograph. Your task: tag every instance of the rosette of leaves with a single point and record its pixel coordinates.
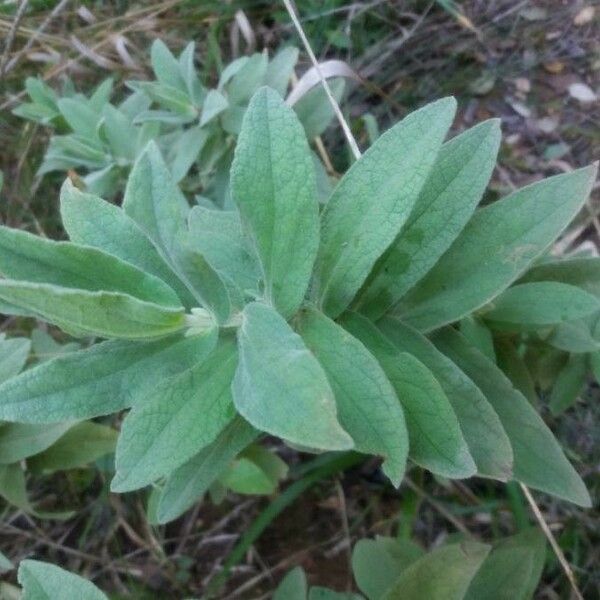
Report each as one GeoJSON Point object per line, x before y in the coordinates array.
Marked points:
{"type": "Point", "coordinates": [384, 569]}
{"type": "Point", "coordinates": [193, 125]}
{"type": "Point", "coordinates": [92, 135]}
{"type": "Point", "coordinates": [37, 448]}
{"type": "Point", "coordinates": [331, 329]}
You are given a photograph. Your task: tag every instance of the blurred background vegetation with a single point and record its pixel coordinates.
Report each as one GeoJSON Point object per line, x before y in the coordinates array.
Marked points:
{"type": "Point", "coordinates": [534, 64]}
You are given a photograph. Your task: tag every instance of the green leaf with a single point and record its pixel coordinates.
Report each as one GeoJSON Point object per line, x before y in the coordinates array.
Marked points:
{"type": "Point", "coordinates": [91, 221]}
{"type": "Point", "coordinates": [190, 481]}
{"type": "Point", "coordinates": [575, 337]}
{"type": "Point", "coordinates": [27, 257]}
{"type": "Point", "coordinates": [165, 66]}
{"type": "Point", "coordinates": [81, 445]}
{"type": "Point", "coordinates": [5, 565]}
{"type": "Point", "coordinates": [247, 79]}
{"type": "Point", "coordinates": [495, 248]}
{"type": "Point", "coordinates": [101, 95]}
{"type": "Point", "coordinates": [42, 581]}
{"type": "Point", "coordinates": [189, 75]}
{"type": "Point", "coordinates": [583, 272]}
{"type": "Point", "coordinates": [105, 314]}
{"type": "Point", "coordinates": [314, 109]}
{"type": "Point", "coordinates": [177, 420]}
{"type": "Point", "coordinates": [570, 383]}
{"type": "Point", "coordinates": [482, 429]}
{"type": "Point", "coordinates": [539, 304]}
{"type": "Point", "coordinates": [13, 356]}
{"type": "Point", "coordinates": [217, 234]}
{"type": "Point", "coordinates": [100, 380]}
{"type": "Point", "coordinates": [478, 335]}
{"type": "Point", "coordinates": [280, 70]}
{"type": "Point", "coordinates": [356, 230]}
{"type": "Point", "coordinates": [510, 361]}
{"type": "Point", "coordinates": [280, 387]}
{"type": "Point", "coordinates": [214, 104]}
{"type": "Point", "coordinates": [512, 570]}
{"type": "Point", "coordinates": [119, 132]}
{"type": "Point", "coordinates": [443, 574]}
{"type": "Point", "coordinates": [256, 471]}
{"type": "Point", "coordinates": [186, 151]}
{"type": "Point", "coordinates": [293, 586]}
{"type": "Point", "coordinates": [320, 593]}
{"type": "Point", "coordinates": [538, 459]}
{"type": "Point", "coordinates": [377, 563]}
{"type": "Point", "coordinates": [155, 203]}
{"type": "Point", "coordinates": [21, 440]}
{"type": "Point", "coordinates": [368, 408]}
{"type": "Point", "coordinates": [436, 441]}
{"type": "Point", "coordinates": [82, 119]}
{"type": "Point", "coordinates": [455, 186]}
{"type": "Point", "coordinates": [273, 185]}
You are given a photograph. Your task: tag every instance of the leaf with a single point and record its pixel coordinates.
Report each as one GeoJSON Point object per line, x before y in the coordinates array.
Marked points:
{"type": "Point", "coordinates": [512, 570]}
{"type": "Point", "coordinates": [21, 440]}
{"type": "Point", "coordinates": [478, 335]}
{"type": "Point", "coordinates": [494, 249]}
{"type": "Point", "coordinates": [516, 369]}
{"type": "Point", "coordinates": [356, 231]}
{"type": "Point", "coordinates": [42, 581]}
{"type": "Point", "coordinates": [13, 356]}
{"type": "Point", "coordinates": [457, 181]}
{"type": "Point", "coordinates": [190, 481]}
{"type": "Point", "coordinates": [256, 471]}
{"type": "Point", "coordinates": [538, 459]}
{"type": "Point", "coordinates": [368, 408]}
{"type": "Point", "coordinates": [214, 104]}
{"type": "Point", "coordinates": [377, 563]}
{"type": "Point", "coordinates": [119, 132]}
{"type": "Point", "coordinates": [293, 586]}
{"type": "Point", "coordinates": [443, 574]}
{"type": "Point", "coordinates": [247, 79]}
{"type": "Point", "coordinates": [573, 337]}
{"type": "Point", "coordinates": [280, 69]}
{"type": "Point", "coordinates": [217, 235]}
{"type": "Point", "coordinates": [187, 149]}
{"type": "Point", "coordinates": [177, 420]}
{"type": "Point", "coordinates": [436, 441]}
{"type": "Point", "coordinates": [91, 221]}
{"type": "Point", "coordinates": [105, 314]}
{"type": "Point", "coordinates": [155, 203]}
{"type": "Point", "coordinates": [189, 75]}
{"type": "Point", "coordinates": [82, 119]}
{"type": "Point", "coordinates": [570, 383]}
{"type": "Point", "coordinates": [27, 257]}
{"type": "Point", "coordinates": [165, 66]}
{"type": "Point", "coordinates": [579, 271]}
{"type": "Point", "coordinates": [5, 565]}
{"type": "Point", "coordinates": [280, 387]}
{"type": "Point", "coordinates": [79, 446]}
{"type": "Point", "coordinates": [103, 379]}
{"type": "Point", "coordinates": [482, 429]}
{"type": "Point", "coordinates": [320, 593]}
{"type": "Point", "coordinates": [273, 185]}
{"type": "Point", "coordinates": [540, 304]}
{"type": "Point", "coordinates": [314, 109]}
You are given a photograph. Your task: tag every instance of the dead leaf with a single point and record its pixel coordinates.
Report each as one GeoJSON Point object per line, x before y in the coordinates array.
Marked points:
{"type": "Point", "coordinates": [523, 85]}
{"type": "Point", "coordinates": [520, 108]}
{"type": "Point", "coordinates": [584, 16]}
{"type": "Point", "coordinates": [582, 92]}
{"type": "Point", "coordinates": [555, 67]}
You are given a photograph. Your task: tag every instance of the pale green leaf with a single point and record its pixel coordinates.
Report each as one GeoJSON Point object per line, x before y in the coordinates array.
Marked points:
{"type": "Point", "coordinates": [482, 429]}
{"type": "Point", "coordinates": [119, 132]}
{"type": "Point", "coordinates": [479, 335]}
{"type": "Point", "coordinates": [377, 563]}
{"type": "Point", "coordinates": [436, 440]}
{"type": "Point", "coordinates": [280, 70]}
{"type": "Point", "coordinates": [21, 440]}
{"type": "Point", "coordinates": [91, 221]}
{"type": "Point", "coordinates": [314, 109]}
{"type": "Point", "coordinates": [368, 408]}
{"type": "Point", "coordinates": [374, 199]}
{"type": "Point", "coordinates": [190, 481]}
{"type": "Point", "coordinates": [80, 446]}
{"type": "Point", "coordinates": [569, 384]}
{"type": "Point", "coordinates": [30, 258]}
{"type": "Point", "coordinates": [512, 570]}
{"type": "Point", "coordinates": [103, 379]}
{"type": "Point", "coordinates": [273, 185]}
{"type": "Point", "coordinates": [539, 304]}
{"type": "Point", "coordinates": [42, 581]}
{"type": "Point", "coordinates": [186, 151]}
{"type": "Point", "coordinates": [5, 565]}
{"type": "Point", "coordinates": [247, 79]}
{"type": "Point", "coordinates": [105, 314]}
{"type": "Point", "coordinates": [82, 118]}
{"type": "Point", "coordinates": [443, 574]}
{"type": "Point", "coordinates": [13, 356]}
{"type": "Point", "coordinates": [495, 248]}
{"type": "Point", "coordinates": [214, 104]}
{"type": "Point", "coordinates": [280, 387]}
{"type": "Point", "coordinates": [165, 65]}
{"type": "Point", "coordinates": [539, 461]}
{"type": "Point", "coordinates": [454, 187]}
{"type": "Point", "coordinates": [179, 418]}
{"type": "Point", "coordinates": [293, 586]}
{"type": "Point", "coordinates": [156, 204]}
